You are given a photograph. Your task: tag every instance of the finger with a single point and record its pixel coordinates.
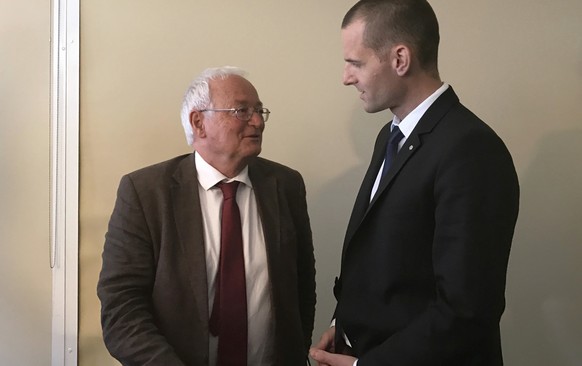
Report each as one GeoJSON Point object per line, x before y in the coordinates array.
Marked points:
{"type": "Point", "coordinates": [317, 363]}
{"type": "Point", "coordinates": [313, 350]}
{"type": "Point", "coordinates": [324, 343]}
{"type": "Point", "coordinates": [326, 340]}
{"type": "Point", "coordinates": [321, 356]}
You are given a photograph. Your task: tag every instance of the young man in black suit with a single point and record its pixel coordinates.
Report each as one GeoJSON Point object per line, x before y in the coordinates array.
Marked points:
{"type": "Point", "coordinates": [426, 250]}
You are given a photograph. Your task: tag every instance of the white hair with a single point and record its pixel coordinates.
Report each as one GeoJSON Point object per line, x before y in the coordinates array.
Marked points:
{"type": "Point", "coordinates": [197, 95]}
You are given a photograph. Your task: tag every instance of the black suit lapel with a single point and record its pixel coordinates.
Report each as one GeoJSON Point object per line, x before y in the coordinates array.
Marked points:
{"type": "Point", "coordinates": [413, 143]}
{"type": "Point", "coordinates": [363, 198]}
{"type": "Point", "coordinates": [189, 226]}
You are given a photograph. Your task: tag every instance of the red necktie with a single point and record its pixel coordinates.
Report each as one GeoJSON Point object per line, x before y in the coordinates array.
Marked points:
{"type": "Point", "coordinates": [229, 312]}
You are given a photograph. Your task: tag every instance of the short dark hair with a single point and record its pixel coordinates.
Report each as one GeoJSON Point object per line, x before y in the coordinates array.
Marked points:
{"type": "Point", "coordinates": [388, 22]}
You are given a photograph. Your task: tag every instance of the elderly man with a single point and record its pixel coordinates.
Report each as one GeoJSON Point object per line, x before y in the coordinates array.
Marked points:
{"type": "Point", "coordinates": [208, 259]}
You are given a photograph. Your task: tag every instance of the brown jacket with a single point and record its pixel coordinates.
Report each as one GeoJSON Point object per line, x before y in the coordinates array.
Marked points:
{"type": "Point", "coordinates": [153, 285]}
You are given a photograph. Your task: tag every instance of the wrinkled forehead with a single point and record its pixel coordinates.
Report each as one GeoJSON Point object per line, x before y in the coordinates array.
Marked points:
{"type": "Point", "coordinates": [233, 91]}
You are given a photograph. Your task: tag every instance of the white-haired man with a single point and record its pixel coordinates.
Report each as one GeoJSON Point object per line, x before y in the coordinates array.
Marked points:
{"type": "Point", "coordinates": [164, 263]}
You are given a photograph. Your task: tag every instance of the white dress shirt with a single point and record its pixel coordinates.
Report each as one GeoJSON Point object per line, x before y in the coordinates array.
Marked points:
{"type": "Point", "coordinates": [259, 303]}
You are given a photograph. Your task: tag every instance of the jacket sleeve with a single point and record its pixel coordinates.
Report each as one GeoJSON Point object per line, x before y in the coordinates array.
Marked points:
{"type": "Point", "coordinates": [125, 287]}
{"type": "Point", "coordinates": [305, 267]}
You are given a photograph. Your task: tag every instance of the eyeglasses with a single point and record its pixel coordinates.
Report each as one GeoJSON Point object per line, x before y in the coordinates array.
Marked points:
{"type": "Point", "coordinates": [243, 114]}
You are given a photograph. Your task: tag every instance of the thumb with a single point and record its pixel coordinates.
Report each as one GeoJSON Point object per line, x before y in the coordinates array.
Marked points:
{"type": "Point", "coordinates": [321, 356]}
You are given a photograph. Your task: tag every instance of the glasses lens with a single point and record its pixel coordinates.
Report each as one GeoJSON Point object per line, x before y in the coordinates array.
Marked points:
{"type": "Point", "coordinates": [264, 114]}
{"type": "Point", "coordinates": [244, 114]}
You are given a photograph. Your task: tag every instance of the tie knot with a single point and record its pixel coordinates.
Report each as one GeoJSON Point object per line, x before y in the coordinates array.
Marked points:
{"type": "Point", "coordinates": [228, 189]}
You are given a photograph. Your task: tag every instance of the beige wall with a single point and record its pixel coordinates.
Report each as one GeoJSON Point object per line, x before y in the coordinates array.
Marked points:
{"type": "Point", "coordinates": [516, 64]}
{"type": "Point", "coordinates": [25, 276]}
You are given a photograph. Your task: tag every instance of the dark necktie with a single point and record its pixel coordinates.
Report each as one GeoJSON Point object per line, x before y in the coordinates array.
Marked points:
{"type": "Point", "coordinates": [392, 148]}
{"type": "Point", "coordinates": [229, 312]}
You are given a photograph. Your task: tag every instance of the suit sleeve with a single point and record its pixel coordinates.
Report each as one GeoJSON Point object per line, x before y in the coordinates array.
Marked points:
{"type": "Point", "coordinates": [125, 287]}
{"type": "Point", "coordinates": [476, 197]}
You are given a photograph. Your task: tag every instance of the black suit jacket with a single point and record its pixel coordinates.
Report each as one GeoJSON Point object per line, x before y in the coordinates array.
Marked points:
{"type": "Point", "coordinates": [424, 263]}
{"type": "Point", "coordinates": [153, 285]}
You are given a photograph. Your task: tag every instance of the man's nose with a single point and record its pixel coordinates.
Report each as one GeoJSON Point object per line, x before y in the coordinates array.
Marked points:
{"type": "Point", "coordinates": [256, 120]}
{"type": "Point", "coordinates": [348, 77]}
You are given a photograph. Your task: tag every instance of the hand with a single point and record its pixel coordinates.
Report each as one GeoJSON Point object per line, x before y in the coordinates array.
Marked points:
{"type": "Point", "coordinates": [324, 352]}
{"type": "Point", "coordinates": [324, 358]}
{"type": "Point", "coordinates": [326, 342]}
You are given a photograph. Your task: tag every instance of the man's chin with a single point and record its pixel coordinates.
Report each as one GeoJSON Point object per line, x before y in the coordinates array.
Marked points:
{"type": "Point", "coordinates": [255, 152]}
{"type": "Point", "coordinates": [370, 108]}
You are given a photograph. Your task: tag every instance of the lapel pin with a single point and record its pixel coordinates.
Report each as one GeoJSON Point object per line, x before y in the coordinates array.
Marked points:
{"type": "Point", "coordinates": [410, 147]}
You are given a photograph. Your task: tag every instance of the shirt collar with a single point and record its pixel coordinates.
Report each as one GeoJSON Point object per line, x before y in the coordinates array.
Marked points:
{"type": "Point", "coordinates": [208, 176]}
{"type": "Point", "coordinates": [411, 120]}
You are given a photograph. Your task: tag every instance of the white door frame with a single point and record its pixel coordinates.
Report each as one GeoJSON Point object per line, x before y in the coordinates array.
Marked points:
{"type": "Point", "coordinates": [64, 171]}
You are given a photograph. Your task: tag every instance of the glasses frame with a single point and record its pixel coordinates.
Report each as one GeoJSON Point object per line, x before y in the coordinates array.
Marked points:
{"type": "Point", "coordinates": [239, 112]}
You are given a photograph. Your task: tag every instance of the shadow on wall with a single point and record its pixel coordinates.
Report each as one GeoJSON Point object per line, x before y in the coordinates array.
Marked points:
{"type": "Point", "coordinates": [543, 322]}
{"type": "Point", "coordinates": [331, 207]}
{"type": "Point", "coordinates": [94, 353]}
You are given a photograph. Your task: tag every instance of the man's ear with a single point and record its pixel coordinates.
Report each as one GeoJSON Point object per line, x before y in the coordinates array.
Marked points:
{"type": "Point", "coordinates": [401, 59]}
{"type": "Point", "coordinates": [197, 123]}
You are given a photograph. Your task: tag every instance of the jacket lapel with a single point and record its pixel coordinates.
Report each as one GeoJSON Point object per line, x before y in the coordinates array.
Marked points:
{"type": "Point", "coordinates": [412, 144]}
{"type": "Point", "coordinates": [265, 187]}
{"type": "Point", "coordinates": [188, 219]}
{"type": "Point", "coordinates": [362, 202]}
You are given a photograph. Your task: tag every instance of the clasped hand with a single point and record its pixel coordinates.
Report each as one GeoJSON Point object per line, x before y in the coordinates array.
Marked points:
{"type": "Point", "coordinates": [324, 352]}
